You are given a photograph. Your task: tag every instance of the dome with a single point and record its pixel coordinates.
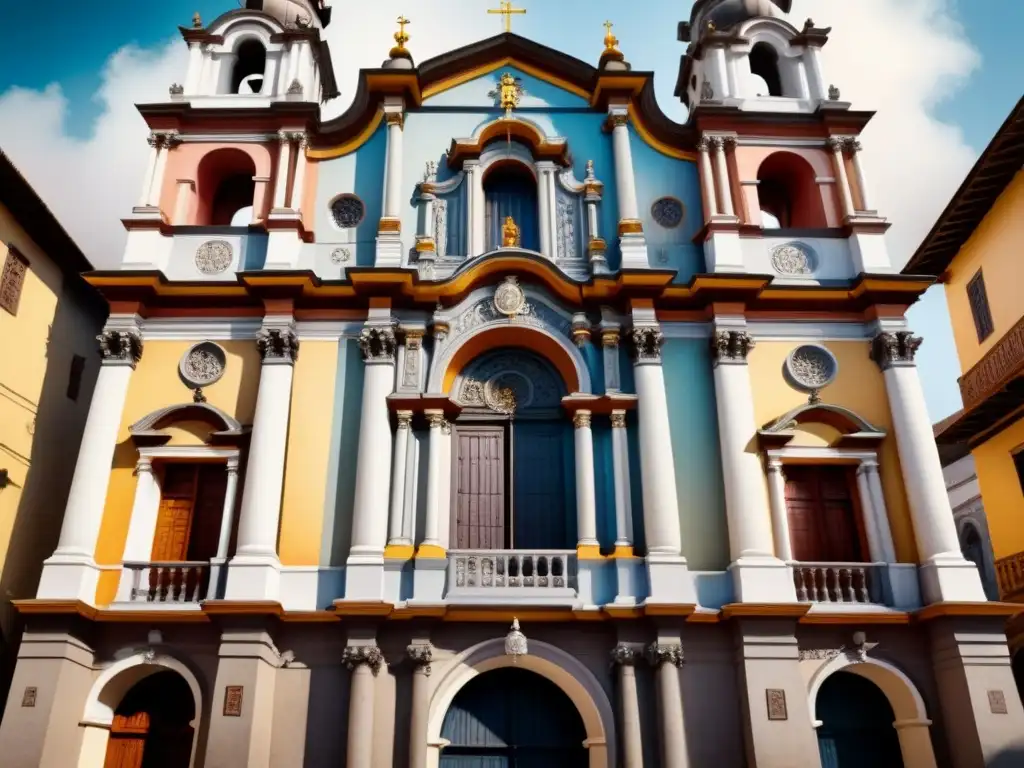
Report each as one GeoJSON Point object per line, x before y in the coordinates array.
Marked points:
{"type": "Point", "coordinates": [728, 13]}
{"type": "Point", "coordinates": [293, 13]}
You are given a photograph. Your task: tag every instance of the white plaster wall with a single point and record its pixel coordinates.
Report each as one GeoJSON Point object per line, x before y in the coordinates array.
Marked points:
{"type": "Point", "coordinates": [182, 264]}
{"type": "Point", "coordinates": [832, 256]}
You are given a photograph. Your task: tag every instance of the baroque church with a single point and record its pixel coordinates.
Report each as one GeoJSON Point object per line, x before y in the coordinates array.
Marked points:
{"type": "Point", "coordinates": [503, 422]}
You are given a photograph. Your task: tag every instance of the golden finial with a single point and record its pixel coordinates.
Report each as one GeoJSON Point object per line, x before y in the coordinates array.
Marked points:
{"type": "Point", "coordinates": [197, 21]}
{"type": "Point", "coordinates": [401, 38]}
{"type": "Point", "coordinates": [510, 233]}
{"type": "Point", "coordinates": [611, 42]}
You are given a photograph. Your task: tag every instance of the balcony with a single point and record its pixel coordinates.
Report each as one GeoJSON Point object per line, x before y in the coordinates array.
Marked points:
{"type": "Point", "coordinates": [1010, 575]}
{"type": "Point", "coordinates": [170, 585]}
{"type": "Point", "coordinates": [841, 583]}
{"type": "Point", "coordinates": [513, 576]}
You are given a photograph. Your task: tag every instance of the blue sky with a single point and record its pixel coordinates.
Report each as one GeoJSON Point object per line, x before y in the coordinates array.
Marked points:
{"type": "Point", "coordinates": [942, 74]}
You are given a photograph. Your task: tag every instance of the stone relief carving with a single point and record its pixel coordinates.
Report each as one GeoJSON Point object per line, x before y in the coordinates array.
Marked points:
{"type": "Point", "coordinates": [370, 655]}
{"type": "Point", "coordinates": [347, 211]}
{"type": "Point", "coordinates": [485, 311]}
{"type": "Point", "coordinates": [794, 259]}
{"type": "Point", "coordinates": [731, 346]}
{"type": "Point", "coordinates": [508, 381]}
{"type": "Point", "coordinates": [892, 349]}
{"type": "Point", "coordinates": [668, 212]}
{"type": "Point", "coordinates": [378, 345]}
{"type": "Point", "coordinates": [203, 364]}
{"type": "Point", "coordinates": [341, 255]}
{"type": "Point", "coordinates": [810, 368]}
{"type": "Point", "coordinates": [120, 346]}
{"type": "Point", "coordinates": [441, 227]}
{"type": "Point", "coordinates": [278, 345]}
{"type": "Point", "coordinates": [509, 298]}
{"type": "Point", "coordinates": [214, 257]}
{"type": "Point", "coordinates": [566, 246]}
{"type": "Point", "coordinates": [413, 353]}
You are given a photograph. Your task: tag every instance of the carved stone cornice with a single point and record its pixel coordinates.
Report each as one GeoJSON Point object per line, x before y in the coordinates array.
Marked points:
{"type": "Point", "coordinates": [420, 656]}
{"type": "Point", "coordinates": [625, 656]}
{"type": "Point", "coordinates": [358, 655]}
{"type": "Point", "coordinates": [378, 345]}
{"type": "Point", "coordinates": [731, 346]}
{"type": "Point", "coordinates": [645, 342]}
{"type": "Point", "coordinates": [659, 653]}
{"type": "Point", "coordinates": [1003, 362]}
{"type": "Point", "coordinates": [890, 350]}
{"type": "Point", "coordinates": [278, 345]}
{"type": "Point", "coordinates": [120, 347]}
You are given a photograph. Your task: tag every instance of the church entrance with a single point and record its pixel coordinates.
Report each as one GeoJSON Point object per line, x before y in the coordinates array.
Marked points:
{"type": "Point", "coordinates": [857, 725]}
{"type": "Point", "coordinates": [513, 718]}
{"type": "Point", "coordinates": [151, 727]}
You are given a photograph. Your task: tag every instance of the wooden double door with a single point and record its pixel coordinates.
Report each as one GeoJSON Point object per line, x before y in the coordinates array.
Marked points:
{"type": "Point", "coordinates": [513, 486]}
{"type": "Point", "coordinates": [152, 725]}
{"type": "Point", "coordinates": [824, 519]}
{"type": "Point", "coordinates": [191, 505]}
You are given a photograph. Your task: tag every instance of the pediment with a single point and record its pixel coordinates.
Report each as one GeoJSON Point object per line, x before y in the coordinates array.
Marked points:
{"type": "Point", "coordinates": [151, 430]}
{"type": "Point", "coordinates": [539, 91]}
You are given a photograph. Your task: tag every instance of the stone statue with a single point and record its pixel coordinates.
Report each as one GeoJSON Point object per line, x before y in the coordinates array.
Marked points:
{"type": "Point", "coordinates": [510, 233]}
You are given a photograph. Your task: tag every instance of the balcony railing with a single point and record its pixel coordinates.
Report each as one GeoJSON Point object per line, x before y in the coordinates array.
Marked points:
{"type": "Point", "coordinates": [180, 583]}
{"type": "Point", "coordinates": [513, 573]}
{"type": "Point", "coordinates": [1010, 575]}
{"type": "Point", "coordinates": [840, 583]}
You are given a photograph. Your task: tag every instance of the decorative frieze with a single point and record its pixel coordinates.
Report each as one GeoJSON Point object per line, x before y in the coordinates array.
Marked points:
{"type": "Point", "coordinates": [278, 345]}
{"type": "Point", "coordinates": [421, 657]}
{"type": "Point", "coordinates": [645, 344]}
{"type": "Point", "coordinates": [120, 347]}
{"type": "Point", "coordinates": [665, 653]}
{"type": "Point", "coordinates": [378, 345]}
{"type": "Point", "coordinates": [890, 350]}
{"type": "Point", "coordinates": [625, 656]}
{"type": "Point", "coordinates": [731, 346]}
{"type": "Point", "coordinates": [358, 655]}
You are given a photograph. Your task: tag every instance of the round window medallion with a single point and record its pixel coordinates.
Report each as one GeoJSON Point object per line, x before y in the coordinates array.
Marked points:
{"type": "Point", "coordinates": [347, 211]}
{"type": "Point", "coordinates": [810, 368]}
{"type": "Point", "coordinates": [509, 299]}
{"type": "Point", "coordinates": [668, 212]}
{"type": "Point", "coordinates": [794, 259]}
{"type": "Point", "coordinates": [214, 257]}
{"type": "Point", "coordinates": [203, 364]}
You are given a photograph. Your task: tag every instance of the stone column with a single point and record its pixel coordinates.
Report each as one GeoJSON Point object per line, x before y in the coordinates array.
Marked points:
{"type": "Point", "coordinates": [707, 176]}
{"type": "Point", "coordinates": [155, 140]}
{"type": "Point", "coordinates": [216, 588]}
{"type": "Point", "coordinates": [70, 573]}
{"type": "Point", "coordinates": [610, 355]}
{"type": "Point", "coordinates": [182, 199]}
{"type": "Point", "coordinates": [365, 662]}
{"type": "Point", "coordinates": [138, 547]}
{"type": "Point", "coordinates": [666, 660]}
{"type": "Point", "coordinates": [195, 67]}
{"type": "Point", "coordinates": [169, 142]}
{"type": "Point", "coordinates": [854, 148]}
{"type": "Point", "coordinates": [586, 494]}
{"type": "Point", "coordinates": [300, 171]}
{"type": "Point", "coordinates": [373, 466]}
{"type": "Point", "coordinates": [758, 574]}
{"type": "Point", "coordinates": [881, 511]}
{"type": "Point", "coordinates": [402, 430]}
{"type": "Point", "coordinates": [625, 658]}
{"type": "Point", "coordinates": [284, 158]}
{"type": "Point", "coordinates": [254, 572]}
{"type": "Point", "coordinates": [945, 574]}
{"type": "Point", "coordinates": [722, 172]}
{"type": "Point", "coordinates": [623, 491]}
{"type": "Point", "coordinates": [393, 164]}
{"type": "Point", "coordinates": [545, 209]}
{"type": "Point", "coordinates": [420, 656]}
{"type": "Point", "coordinates": [780, 515]}
{"type": "Point", "coordinates": [479, 213]}
{"type": "Point", "coordinates": [632, 243]}
{"type": "Point", "coordinates": [842, 179]}
{"type": "Point", "coordinates": [432, 512]}
{"type": "Point", "coordinates": [474, 246]}
{"type": "Point", "coordinates": [867, 507]}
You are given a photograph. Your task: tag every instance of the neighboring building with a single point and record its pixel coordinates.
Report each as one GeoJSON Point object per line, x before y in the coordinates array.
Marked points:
{"type": "Point", "coordinates": [503, 420]}
{"type": "Point", "coordinates": [49, 317]}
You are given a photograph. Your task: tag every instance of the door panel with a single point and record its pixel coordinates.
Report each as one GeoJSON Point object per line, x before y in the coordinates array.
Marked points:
{"type": "Point", "coordinates": [542, 498]}
{"type": "Point", "coordinates": [479, 485]}
{"type": "Point", "coordinates": [211, 485]}
{"type": "Point", "coordinates": [820, 509]}
{"type": "Point", "coordinates": [172, 530]}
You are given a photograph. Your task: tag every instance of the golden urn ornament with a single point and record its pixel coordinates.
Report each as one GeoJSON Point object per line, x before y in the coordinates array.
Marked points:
{"type": "Point", "coordinates": [510, 233]}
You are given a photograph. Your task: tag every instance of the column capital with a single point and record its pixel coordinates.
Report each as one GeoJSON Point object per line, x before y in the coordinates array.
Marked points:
{"type": "Point", "coordinates": [853, 146]}
{"type": "Point", "coordinates": [232, 465]}
{"type": "Point", "coordinates": [610, 337]}
{"type": "Point", "coordinates": [704, 144]}
{"type": "Point", "coordinates": [435, 419]}
{"type": "Point", "coordinates": [356, 656]}
{"type": "Point", "coordinates": [155, 139]}
{"type": "Point", "coordinates": [892, 350]}
{"type": "Point", "coordinates": [581, 419]}
{"type": "Point", "coordinates": [775, 464]}
{"type": "Point", "coordinates": [404, 419]}
{"type": "Point", "coordinates": [617, 120]}
{"type": "Point", "coordinates": [618, 419]}
{"type": "Point", "coordinates": [378, 344]}
{"type": "Point", "coordinates": [446, 427]}
{"type": "Point", "coordinates": [284, 136]}
{"type": "Point", "coordinates": [277, 346]}
{"type": "Point", "coordinates": [144, 464]}
{"type": "Point", "coordinates": [645, 344]}
{"type": "Point", "coordinates": [665, 653]}
{"type": "Point", "coordinates": [624, 655]}
{"type": "Point", "coordinates": [420, 656]}
{"type": "Point", "coordinates": [120, 347]}
{"type": "Point", "coordinates": [731, 346]}
{"type": "Point", "coordinates": [835, 143]}
{"type": "Point", "coordinates": [395, 118]}
{"type": "Point", "coordinates": [171, 139]}
{"type": "Point", "coordinates": [867, 466]}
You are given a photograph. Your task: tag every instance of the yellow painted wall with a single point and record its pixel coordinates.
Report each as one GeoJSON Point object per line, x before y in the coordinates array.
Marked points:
{"type": "Point", "coordinates": [995, 248]}
{"type": "Point", "coordinates": [859, 387]}
{"type": "Point", "coordinates": [309, 447]}
{"type": "Point", "coordinates": [1001, 490]}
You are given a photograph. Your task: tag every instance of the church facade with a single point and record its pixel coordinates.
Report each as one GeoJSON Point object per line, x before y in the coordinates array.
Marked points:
{"type": "Point", "coordinates": [502, 421]}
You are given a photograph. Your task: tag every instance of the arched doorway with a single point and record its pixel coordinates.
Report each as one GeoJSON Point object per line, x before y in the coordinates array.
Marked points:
{"type": "Point", "coordinates": [152, 725]}
{"type": "Point", "coordinates": [513, 718]}
{"type": "Point", "coordinates": [856, 728]}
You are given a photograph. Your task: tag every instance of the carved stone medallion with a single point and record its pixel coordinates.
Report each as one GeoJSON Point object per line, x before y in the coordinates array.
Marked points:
{"type": "Point", "coordinates": [214, 257]}
{"type": "Point", "coordinates": [202, 365]}
{"type": "Point", "coordinates": [810, 368]}
{"type": "Point", "coordinates": [668, 212]}
{"type": "Point", "coordinates": [347, 211]}
{"type": "Point", "coordinates": [793, 259]}
{"type": "Point", "coordinates": [341, 255]}
{"type": "Point", "coordinates": [509, 298]}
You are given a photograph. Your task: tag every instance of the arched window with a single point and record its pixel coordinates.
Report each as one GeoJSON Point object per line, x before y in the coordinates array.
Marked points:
{"type": "Point", "coordinates": [251, 62]}
{"type": "Point", "coordinates": [152, 724]}
{"type": "Point", "coordinates": [788, 193]}
{"type": "Point", "coordinates": [764, 64]}
{"type": "Point", "coordinates": [511, 190]}
{"type": "Point", "coordinates": [225, 188]}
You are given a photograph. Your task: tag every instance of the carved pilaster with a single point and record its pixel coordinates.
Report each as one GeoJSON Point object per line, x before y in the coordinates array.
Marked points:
{"type": "Point", "coordinates": [625, 656]}
{"type": "Point", "coordinates": [645, 344]}
{"type": "Point", "coordinates": [618, 419]}
{"type": "Point", "coordinates": [731, 346]}
{"type": "Point", "coordinates": [357, 655]}
{"type": "Point", "coordinates": [120, 347]}
{"type": "Point", "coordinates": [889, 350]}
{"type": "Point", "coordinates": [278, 345]}
{"type": "Point", "coordinates": [581, 420]}
{"type": "Point", "coordinates": [420, 656]}
{"type": "Point", "coordinates": [658, 654]}
{"type": "Point", "coordinates": [378, 345]}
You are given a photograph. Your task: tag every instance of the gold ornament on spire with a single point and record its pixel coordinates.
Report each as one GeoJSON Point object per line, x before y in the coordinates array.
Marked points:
{"type": "Point", "coordinates": [401, 38]}
{"type": "Point", "coordinates": [611, 42]}
{"type": "Point", "coordinates": [507, 11]}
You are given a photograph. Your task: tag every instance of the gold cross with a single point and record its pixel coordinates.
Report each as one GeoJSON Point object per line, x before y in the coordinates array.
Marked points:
{"type": "Point", "coordinates": [507, 11]}
{"type": "Point", "coordinates": [401, 37]}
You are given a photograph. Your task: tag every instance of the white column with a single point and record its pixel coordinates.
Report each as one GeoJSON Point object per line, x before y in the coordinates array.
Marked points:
{"type": "Point", "coordinates": [545, 212]}
{"type": "Point", "coordinates": [170, 141]}
{"type": "Point", "coordinates": [610, 353]}
{"type": "Point", "coordinates": [815, 78]}
{"type": "Point", "coordinates": [183, 198]}
{"type": "Point", "coordinates": [283, 166]}
{"type": "Point", "coordinates": [780, 516]}
{"type": "Point", "coordinates": [155, 140]}
{"type": "Point", "coordinates": [471, 168]}
{"type": "Point", "coordinates": [722, 172]}
{"type": "Point", "coordinates": [435, 449]}
{"type": "Point", "coordinates": [138, 547]}
{"type": "Point", "coordinates": [666, 660]}
{"type": "Point", "coordinates": [552, 195]}
{"type": "Point", "coordinates": [255, 570]}
{"type": "Point", "coordinates": [446, 479]}
{"type": "Point", "coordinates": [70, 573]}
{"type": "Point", "coordinates": [420, 655]}
{"type": "Point", "coordinates": [881, 512]}
{"type": "Point", "coordinates": [625, 182]}
{"type": "Point", "coordinates": [393, 165]}
{"type": "Point", "coordinates": [586, 495]}
{"type": "Point", "coordinates": [227, 514]}
{"type": "Point", "coordinates": [479, 213]}
{"type": "Point", "coordinates": [300, 172]}
{"type": "Point", "coordinates": [625, 658]}
{"type": "Point", "coordinates": [404, 427]}
{"type": "Point", "coordinates": [867, 507]}
{"type": "Point", "coordinates": [225, 68]}
{"type": "Point", "coordinates": [945, 574]}
{"type": "Point", "coordinates": [305, 73]}
{"type": "Point", "coordinates": [195, 67]}
{"type": "Point", "coordinates": [623, 488]}
{"type": "Point", "coordinates": [365, 662]}
{"type": "Point", "coordinates": [842, 179]}
{"type": "Point", "coordinates": [858, 167]}
{"type": "Point", "coordinates": [707, 176]}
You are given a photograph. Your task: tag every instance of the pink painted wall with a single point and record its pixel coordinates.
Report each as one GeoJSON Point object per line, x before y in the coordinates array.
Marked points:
{"type": "Point", "coordinates": [744, 166]}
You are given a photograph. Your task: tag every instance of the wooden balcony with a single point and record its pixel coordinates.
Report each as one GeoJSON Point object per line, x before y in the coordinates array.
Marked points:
{"type": "Point", "coordinates": [1000, 365]}
{"type": "Point", "coordinates": [1010, 575]}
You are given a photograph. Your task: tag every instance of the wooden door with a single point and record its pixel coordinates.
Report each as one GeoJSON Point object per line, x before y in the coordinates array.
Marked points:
{"type": "Point", "coordinates": [822, 522]}
{"type": "Point", "coordinates": [127, 743]}
{"type": "Point", "coordinates": [191, 505]}
{"type": "Point", "coordinates": [479, 487]}
{"type": "Point", "coordinates": [211, 485]}
{"type": "Point", "coordinates": [542, 499]}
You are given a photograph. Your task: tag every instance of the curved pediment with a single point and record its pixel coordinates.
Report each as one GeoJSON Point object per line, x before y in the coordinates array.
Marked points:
{"type": "Point", "coordinates": [150, 430]}
{"type": "Point", "coordinates": [851, 428]}
{"type": "Point", "coordinates": [510, 129]}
